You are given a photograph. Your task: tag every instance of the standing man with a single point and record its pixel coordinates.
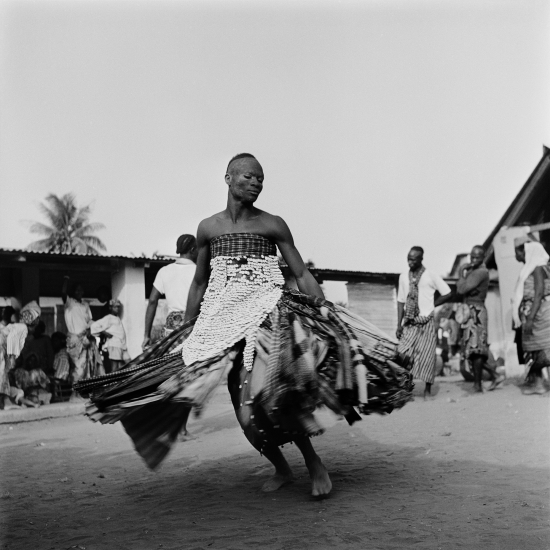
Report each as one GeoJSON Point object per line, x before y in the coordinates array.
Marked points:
{"type": "Point", "coordinates": [415, 316]}
{"type": "Point", "coordinates": [173, 281]}
{"type": "Point", "coordinates": [81, 345]}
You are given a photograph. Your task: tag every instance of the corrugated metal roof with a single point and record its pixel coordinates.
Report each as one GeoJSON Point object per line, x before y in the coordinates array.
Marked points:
{"type": "Point", "coordinates": [352, 272]}
{"type": "Point", "coordinates": [89, 256]}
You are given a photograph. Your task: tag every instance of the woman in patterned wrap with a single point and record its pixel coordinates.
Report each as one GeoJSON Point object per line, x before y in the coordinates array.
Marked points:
{"type": "Point", "coordinates": [531, 308]}
{"type": "Point", "coordinates": [473, 285]}
{"type": "Point", "coordinates": [285, 352]}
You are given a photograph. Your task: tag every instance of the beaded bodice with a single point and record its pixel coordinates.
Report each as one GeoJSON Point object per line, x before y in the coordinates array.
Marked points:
{"type": "Point", "coordinates": [245, 285]}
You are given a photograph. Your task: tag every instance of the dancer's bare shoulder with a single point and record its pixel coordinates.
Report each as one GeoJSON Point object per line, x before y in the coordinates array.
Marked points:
{"type": "Point", "coordinates": [211, 227]}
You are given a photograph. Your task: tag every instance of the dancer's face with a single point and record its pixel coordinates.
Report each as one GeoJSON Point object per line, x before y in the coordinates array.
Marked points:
{"type": "Point", "coordinates": [245, 179]}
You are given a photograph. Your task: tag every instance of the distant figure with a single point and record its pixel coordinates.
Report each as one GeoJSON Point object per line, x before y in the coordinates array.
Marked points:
{"type": "Point", "coordinates": [173, 281]}
{"type": "Point", "coordinates": [34, 382]}
{"type": "Point", "coordinates": [416, 330]}
{"type": "Point", "coordinates": [531, 308]}
{"type": "Point", "coordinates": [80, 345]}
{"type": "Point", "coordinates": [103, 295]}
{"type": "Point", "coordinates": [7, 392]}
{"type": "Point", "coordinates": [16, 335]}
{"type": "Point", "coordinates": [473, 285]}
{"type": "Point", "coordinates": [112, 329]}
{"type": "Point", "coordinates": [61, 361]}
{"type": "Point", "coordinates": [454, 334]}
{"type": "Point", "coordinates": [39, 343]}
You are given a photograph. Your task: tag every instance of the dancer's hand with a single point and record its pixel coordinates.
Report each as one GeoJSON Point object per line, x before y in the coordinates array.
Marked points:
{"type": "Point", "coordinates": [146, 343]}
{"type": "Point", "coordinates": [399, 332]}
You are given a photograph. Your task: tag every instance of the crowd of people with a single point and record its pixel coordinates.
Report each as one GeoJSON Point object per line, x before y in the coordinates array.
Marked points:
{"type": "Point", "coordinates": [466, 327]}
{"type": "Point", "coordinates": [36, 369]}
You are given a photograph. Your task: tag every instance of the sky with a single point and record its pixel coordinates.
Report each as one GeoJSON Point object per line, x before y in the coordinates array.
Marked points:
{"type": "Point", "coordinates": [379, 124]}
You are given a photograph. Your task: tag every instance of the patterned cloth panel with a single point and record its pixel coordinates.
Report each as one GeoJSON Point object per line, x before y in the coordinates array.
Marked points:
{"type": "Point", "coordinates": [238, 245]}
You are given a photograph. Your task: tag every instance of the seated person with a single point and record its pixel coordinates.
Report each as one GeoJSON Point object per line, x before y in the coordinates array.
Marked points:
{"type": "Point", "coordinates": [33, 381]}
{"type": "Point", "coordinates": [39, 343]}
{"type": "Point", "coordinates": [62, 367]}
{"type": "Point", "coordinates": [61, 360]}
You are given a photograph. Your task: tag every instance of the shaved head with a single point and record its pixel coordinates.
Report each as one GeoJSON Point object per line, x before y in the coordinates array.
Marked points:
{"type": "Point", "coordinates": [239, 157]}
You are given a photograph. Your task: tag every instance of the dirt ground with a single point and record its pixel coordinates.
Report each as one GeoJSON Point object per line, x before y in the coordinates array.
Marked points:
{"type": "Point", "coordinates": [460, 471]}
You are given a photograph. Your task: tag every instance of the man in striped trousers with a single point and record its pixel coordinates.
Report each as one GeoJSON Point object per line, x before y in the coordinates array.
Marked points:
{"type": "Point", "coordinates": [416, 329]}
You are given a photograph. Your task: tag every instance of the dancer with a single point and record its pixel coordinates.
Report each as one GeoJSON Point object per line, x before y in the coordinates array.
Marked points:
{"type": "Point", "coordinates": [415, 316]}
{"type": "Point", "coordinates": [173, 281]}
{"type": "Point", "coordinates": [531, 308]}
{"type": "Point", "coordinates": [286, 352]}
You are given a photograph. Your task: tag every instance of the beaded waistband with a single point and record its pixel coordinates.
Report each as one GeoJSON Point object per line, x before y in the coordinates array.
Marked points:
{"type": "Point", "coordinates": [242, 244]}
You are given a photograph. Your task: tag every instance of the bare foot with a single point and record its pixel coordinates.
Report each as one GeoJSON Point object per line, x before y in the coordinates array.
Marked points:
{"type": "Point", "coordinates": [277, 481]}
{"type": "Point", "coordinates": [320, 480]}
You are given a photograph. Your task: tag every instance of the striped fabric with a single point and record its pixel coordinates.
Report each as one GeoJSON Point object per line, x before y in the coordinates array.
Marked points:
{"type": "Point", "coordinates": [539, 338]}
{"type": "Point", "coordinates": [238, 245]}
{"type": "Point", "coordinates": [417, 344]}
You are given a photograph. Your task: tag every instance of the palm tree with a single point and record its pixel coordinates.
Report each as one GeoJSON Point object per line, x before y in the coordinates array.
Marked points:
{"type": "Point", "coordinates": [69, 230]}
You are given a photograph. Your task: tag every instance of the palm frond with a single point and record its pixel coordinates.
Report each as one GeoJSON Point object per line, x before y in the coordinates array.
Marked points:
{"type": "Point", "coordinates": [92, 226]}
{"type": "Point", "coordinates": [42, 245]}
{"type": "Point", "coordinates": [92, 240]}
{"type": "Point", "coordinates": [42, 229]}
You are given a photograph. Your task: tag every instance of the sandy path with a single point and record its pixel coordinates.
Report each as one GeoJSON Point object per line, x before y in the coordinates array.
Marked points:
{"type": "Point", "coordinates": [461, 471]}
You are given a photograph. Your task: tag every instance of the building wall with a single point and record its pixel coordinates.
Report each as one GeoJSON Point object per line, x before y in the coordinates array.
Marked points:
{"type": "Point", "coordinates": [376, 302]}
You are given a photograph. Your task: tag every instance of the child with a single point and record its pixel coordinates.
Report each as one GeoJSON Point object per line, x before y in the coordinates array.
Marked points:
{"type": "Point", "coordinates": [111, 327]}
{"type": "Point", "coordinates": [62, 368]}
{"type": "Point", "coordinates": [61, 360]}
